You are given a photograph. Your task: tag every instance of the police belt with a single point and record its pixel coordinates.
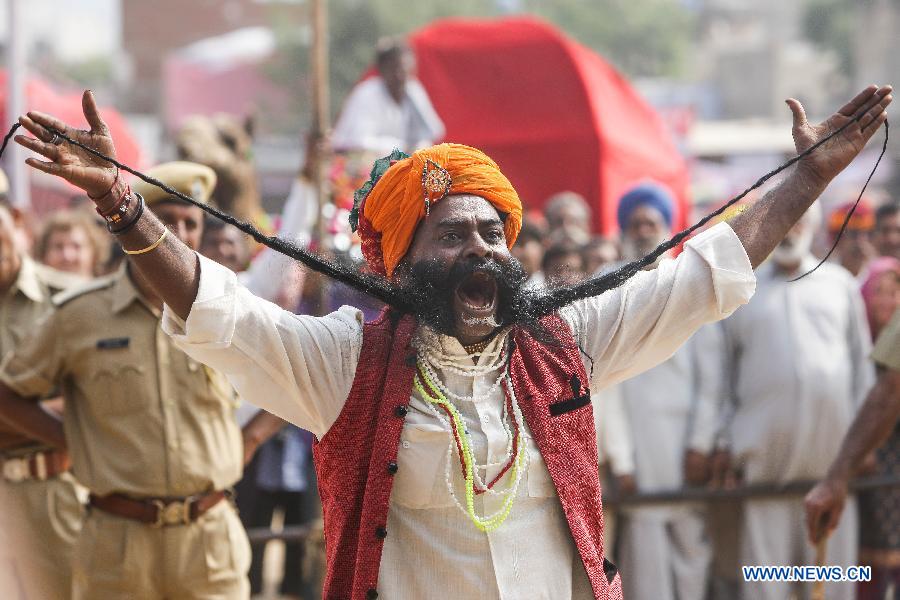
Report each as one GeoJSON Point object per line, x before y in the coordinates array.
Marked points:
{"type": "Point", "coordinates": [37, 466]}
{"type": "Point", "coordinates": [159, 512]}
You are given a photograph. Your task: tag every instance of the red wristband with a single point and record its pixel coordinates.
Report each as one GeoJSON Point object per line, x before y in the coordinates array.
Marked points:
{"type": "Point", "coordinates": [114, 215]}
{"type": "Point", "coordinates": [115, 181]}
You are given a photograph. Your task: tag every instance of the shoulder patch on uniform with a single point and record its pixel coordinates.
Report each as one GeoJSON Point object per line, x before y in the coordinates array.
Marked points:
{"type": "Point", "coordinates": [80, 290]}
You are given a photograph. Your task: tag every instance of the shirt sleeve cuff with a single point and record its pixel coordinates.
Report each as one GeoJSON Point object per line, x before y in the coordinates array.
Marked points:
{"type": "Point", "coordinates": [733, 278]}
{"type": "Point", "coordinates": [22, 380]}
{"type": "Point", "coordinates": [211, 321]}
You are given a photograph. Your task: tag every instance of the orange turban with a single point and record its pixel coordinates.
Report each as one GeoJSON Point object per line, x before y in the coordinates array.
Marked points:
{"type": "Point", "coordinates": [390, 206]}
{"type": "Point", "coordinates": [863, 218]}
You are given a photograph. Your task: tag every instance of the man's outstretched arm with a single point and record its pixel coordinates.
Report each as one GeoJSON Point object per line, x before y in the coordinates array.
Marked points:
{"type": "Point", "coordinates": [870, 429]}
{"type": "Point", "coordinates": [300, 368]}
{"type": "Point", "coordinates": [767, 221]}
{"type": "Point", "coordinates": [172, 268]}
{"type": "Point", "coordinates": [174, 272]}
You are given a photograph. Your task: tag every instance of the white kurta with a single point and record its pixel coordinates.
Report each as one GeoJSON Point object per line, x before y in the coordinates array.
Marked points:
{"type": "Point", "coordinates": [614, 443]}
{"type": "Point", "coordinates": [799, 368]}
{"type": "Point", "coordinates": [372, 120]}
{"type": "Point", "coordinates": [671, 408]}
{"type": "Point", "coordinates": [302, 369]}
{"type": "Point", "coordinates": [271, 271]}
{"type": "Point", "coordinates": [674, 407]}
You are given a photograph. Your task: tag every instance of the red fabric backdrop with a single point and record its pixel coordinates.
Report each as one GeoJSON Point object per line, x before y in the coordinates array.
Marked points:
{"type": "Point", "coordinates": [551, 112]}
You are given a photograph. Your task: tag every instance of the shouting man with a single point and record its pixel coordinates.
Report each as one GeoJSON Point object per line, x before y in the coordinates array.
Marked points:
{"type": "Point", "coordinates": [456, 445]}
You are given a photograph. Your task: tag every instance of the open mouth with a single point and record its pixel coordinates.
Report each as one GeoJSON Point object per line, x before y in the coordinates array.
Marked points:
{"type": "Point", "coordinates": [478, 293]}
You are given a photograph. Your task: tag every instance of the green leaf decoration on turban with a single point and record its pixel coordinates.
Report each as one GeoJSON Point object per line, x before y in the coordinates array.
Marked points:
{"type": "Point", "coordinates": [378, 169]}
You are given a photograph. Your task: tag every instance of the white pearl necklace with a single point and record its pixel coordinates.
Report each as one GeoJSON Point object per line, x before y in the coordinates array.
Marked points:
{"type": "Point", "coordinates": [431, 360]}
{"type": "Point", "coordinates": [451, 447]}
{"type": "Point", "coordinates": [456, 397]}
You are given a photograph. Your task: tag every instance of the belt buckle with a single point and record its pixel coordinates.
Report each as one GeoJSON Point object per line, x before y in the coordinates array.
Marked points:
{"type": "Point", "coordinates": [16, 470]}
{"type": "Point", "coordinates": [172, 513]}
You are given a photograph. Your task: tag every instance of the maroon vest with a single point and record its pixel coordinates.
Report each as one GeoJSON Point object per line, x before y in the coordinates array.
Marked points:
{"type": "Point", "coordinates": [356, 459]}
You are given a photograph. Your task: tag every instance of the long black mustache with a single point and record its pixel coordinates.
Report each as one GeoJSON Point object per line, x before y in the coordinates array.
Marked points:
{"type": "Point", "coordinates": [430, 287]}
{"type": "Point", "coordinates": [536, 303]}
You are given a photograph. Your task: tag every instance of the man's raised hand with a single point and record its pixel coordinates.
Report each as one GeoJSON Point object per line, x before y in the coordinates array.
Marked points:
{"type": "Point", "coordinates": [80, 168]}
{"type": "Point", "coordinates": [833, 156]}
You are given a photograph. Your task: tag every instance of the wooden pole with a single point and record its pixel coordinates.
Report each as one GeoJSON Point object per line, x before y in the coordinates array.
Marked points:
{"type": "Point", "coordinates": [818, 587]}
{"type": "Point", "coordinates": [320, 125]}
{"type": "Point", "coordinates": [320, 66]}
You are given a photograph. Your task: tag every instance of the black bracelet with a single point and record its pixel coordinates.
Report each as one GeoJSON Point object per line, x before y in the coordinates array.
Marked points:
{"type": "Point", "coordinates": [131, 223]}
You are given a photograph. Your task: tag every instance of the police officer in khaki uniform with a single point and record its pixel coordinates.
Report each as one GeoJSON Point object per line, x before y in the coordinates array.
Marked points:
{"type": "Point", "coordinates": [39, 497]}
{"type": "Point", "coordinates": [151, 432]}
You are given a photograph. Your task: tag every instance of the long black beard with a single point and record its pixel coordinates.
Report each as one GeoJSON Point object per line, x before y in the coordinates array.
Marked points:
{"type": "Point", "coordinates": [430, 287]}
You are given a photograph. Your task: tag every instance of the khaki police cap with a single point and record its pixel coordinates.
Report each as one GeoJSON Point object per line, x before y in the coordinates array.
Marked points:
{"type": "Point", "coordinates": [189, 178]}
{"type": "Point", "coordinates": [4, 183]}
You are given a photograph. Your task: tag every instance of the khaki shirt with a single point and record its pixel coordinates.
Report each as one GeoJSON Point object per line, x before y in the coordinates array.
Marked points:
{"type": "Point", "coordinates": [25, 303]}
{"type": "Point", "coordinates": [141, 417]}
{"type": "Point", "coordinates": [887, 348]}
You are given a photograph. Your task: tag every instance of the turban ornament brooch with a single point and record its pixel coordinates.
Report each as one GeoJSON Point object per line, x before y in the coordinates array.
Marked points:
{"type": "Point", "coordinates": [436, 183]}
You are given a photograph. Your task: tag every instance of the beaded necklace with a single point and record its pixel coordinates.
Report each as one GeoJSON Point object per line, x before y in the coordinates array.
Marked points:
{"type": "Point", "coordinates": [429, 356]}
{"type": "Point", "coordinates": [434, 377]}
{"type": "Point", "coordinates": [512, 440]}
{"type": "Point", "coordinates": [460, 438]}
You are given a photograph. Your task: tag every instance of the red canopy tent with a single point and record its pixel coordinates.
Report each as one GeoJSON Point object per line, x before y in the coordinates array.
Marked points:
{"type": "Point", "coordinates": [551, 112]}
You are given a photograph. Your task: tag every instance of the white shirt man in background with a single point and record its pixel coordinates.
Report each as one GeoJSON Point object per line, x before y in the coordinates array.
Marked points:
{"type": "Point", "coordinates": [799, 368]}
{"type": "Point", "coordinates": [390, 110]}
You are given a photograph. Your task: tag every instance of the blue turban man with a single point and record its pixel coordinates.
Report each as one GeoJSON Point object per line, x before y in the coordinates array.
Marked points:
{"type": "Point", "coordinates": [645, 217]}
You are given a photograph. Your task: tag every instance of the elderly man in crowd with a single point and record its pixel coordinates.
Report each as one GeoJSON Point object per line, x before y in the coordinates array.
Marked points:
{"type": "Point", "coordinates": [457, 446]}
{"type": "Point", "coordinates": [568, 217]}
{"type": "Point", "coordinates": [672, 413]}
{"type": "Point", "coordinates": [798, 367]}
